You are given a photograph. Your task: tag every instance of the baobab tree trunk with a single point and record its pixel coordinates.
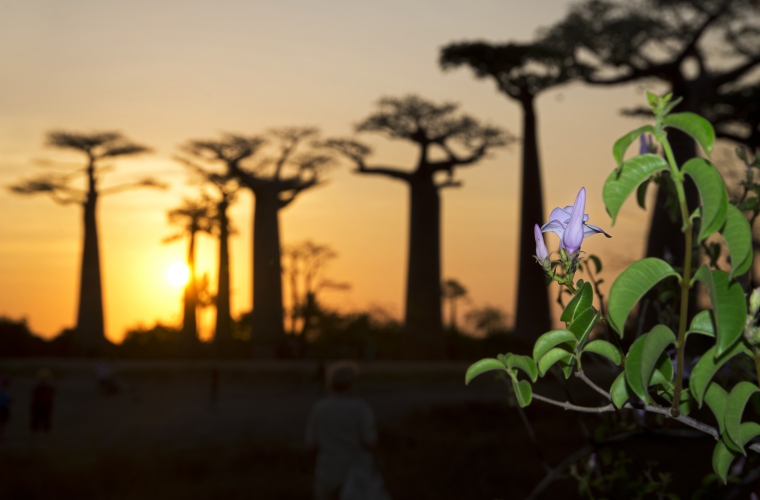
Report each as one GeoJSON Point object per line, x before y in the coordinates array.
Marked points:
{"type": "Point", "coordinates": [190, 302]}
{"type": "Point", "coordinates": [533, 316]}
{"type": "Point", "coordinates": [423, 323]}
{"type": "Point", "coordinates": [90, 332]}
{"type": "Point", "coordinates": [223, 328]}
{"type": "Point", "coordinates": [266, 321]}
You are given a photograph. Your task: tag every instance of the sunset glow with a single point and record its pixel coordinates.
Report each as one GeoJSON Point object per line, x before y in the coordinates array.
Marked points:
{"type": "Point", "coordinates": [178, 274]}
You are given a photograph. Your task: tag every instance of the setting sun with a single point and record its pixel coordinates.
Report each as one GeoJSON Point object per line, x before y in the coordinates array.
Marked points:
{"type": "Point", "coordinates": [178, 274]}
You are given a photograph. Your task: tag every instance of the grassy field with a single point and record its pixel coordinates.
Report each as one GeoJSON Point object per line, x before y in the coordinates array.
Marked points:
{"type": "Point", "coordinates": [160, 437]}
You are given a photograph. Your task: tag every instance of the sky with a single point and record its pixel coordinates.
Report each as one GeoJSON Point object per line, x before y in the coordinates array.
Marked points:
{"type": "Point", "coordinates": [164, 72]}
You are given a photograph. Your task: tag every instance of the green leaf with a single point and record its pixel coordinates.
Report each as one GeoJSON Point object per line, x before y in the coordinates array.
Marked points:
{"type": "Point", "coordinates": [663, 373]}
{"type": "Point", "coordinates": [550, 358]}
{"type": "Point", "coordinates": [525, 364]}
{"type": "Point", "coordinates": [654, 346]}
{"type": "Point", "coordinates": [723, 456]}
{"type": "Point", "coordinates": [597, 263]}
{"type": "Point", "coordinates": [552, 339]}
{"type": "Point", "coordinates": [604, 348]}
{"type": "Point", "coordinates": [737, 400]}
{"type": "Point", "coordinates": [633, 368]}
{"type": "Point", "coordinates": [622, 144]}
{"type": "Point", "coordinates": [620, 391]}
{"type": "Point", "coordinates": [721, 460]}
{"type": "Point", "coordinates": [523, 392]}
{"type": "Point", "coordinates": [641, 193]}
{"type": "Point", "coordinates": [729, 306]}
{"type": "Point", "coordinates": [583, 325]}
{"type": "Point", "coordinates": [749, 431]}
{"type": "Point", "coordinates": [621, 183]}
{"type": "Point", "coordinates": [482, 366]}
{"type": "Point", "coordinates": [504, 357]}
{"type": "Point", "coordinates": [716, 398]}
{"type": "Point", "coordinates": [694, 125]}
{"type": "Point", "coordinates": [706, 368]}
{"type": "Point", "coordinates": [702, 324]}
{"type": "Point", "coordinates": [738, 236]}
{"type": "Point", "coordinates": [631, 285]}
{"type": "Point", "coordinates": [578, 304]}
{"type": "Point", "coordinates": [713, 192]}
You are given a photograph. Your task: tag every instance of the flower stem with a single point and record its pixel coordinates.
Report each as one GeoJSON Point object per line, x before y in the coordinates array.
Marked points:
{"type": "Point", "coordinates": [686, 279]}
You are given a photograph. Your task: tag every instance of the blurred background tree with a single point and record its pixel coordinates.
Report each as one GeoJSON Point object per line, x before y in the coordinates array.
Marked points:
{"type": "Point", "coordinates": [89, 333]}
{"type": "Point", "coordinates": [522, 72]}
{"type": "Point", "coordinates": [445, 141]}
{"type": "Point", "coordinates": [192, 217]}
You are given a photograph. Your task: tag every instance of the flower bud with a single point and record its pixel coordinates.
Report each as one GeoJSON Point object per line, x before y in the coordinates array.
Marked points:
{"type": "Point", "coordinates": [573, 235]}
{"type": "Point", "coordinates": [754, 302]}
{"type": "Point", "coordinates": [542, 254]}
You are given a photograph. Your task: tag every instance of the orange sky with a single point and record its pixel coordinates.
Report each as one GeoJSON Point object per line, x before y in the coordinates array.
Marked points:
{"type": "Point", "coordinates": [165, 72]}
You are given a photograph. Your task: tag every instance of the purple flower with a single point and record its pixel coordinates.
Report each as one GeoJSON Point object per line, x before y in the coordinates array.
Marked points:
{"type": "Point", "coordinates": [643, 146]}
{"type": "Point", "coordinates": [542, 254]}
{"type": "Point", "coordinates": [572, 230]}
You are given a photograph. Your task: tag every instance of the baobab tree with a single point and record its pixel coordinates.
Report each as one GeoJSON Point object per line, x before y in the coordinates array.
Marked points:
{"type": "Point", "coordinates": [521, 72]}
{"type": "Point", "coordinates": [226, 189]}
{"type": "Point", "coordinates": [304, 267]}
{"type": "Point", "coordinates": [99, 147]}
{"type": "Point", "coordinates": [453, 291]}
{"type": "Point", "coordinates": [460, 140]}
{"type": "Point", "coordinates": [276, 175]}
{"type": "Point", "coordinates": [192, 217]}
{"type": "Point", "coordinates": [699, 48]}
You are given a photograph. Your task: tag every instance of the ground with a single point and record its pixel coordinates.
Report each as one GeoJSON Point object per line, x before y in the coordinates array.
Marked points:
{"type": "Point", "coordinates": [160, 436]}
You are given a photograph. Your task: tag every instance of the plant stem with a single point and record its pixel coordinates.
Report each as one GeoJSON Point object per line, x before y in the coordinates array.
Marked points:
{"type": "Point", "coordinates": [685, 280]}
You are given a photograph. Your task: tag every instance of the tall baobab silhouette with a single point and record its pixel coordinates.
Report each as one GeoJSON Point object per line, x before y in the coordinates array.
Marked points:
{"type": "Point", "coordinates": [192, 217]}
{"type": "Point", "coordinates": [521, 72]}
{"type": "Point", "coordinates": [89, 334]}
{"type": "Point", "coordinates": [453, 291]}
{"type": "Point", "coordinates": [621, 42]}
{"type": "Point", "coordinates": [461, 141]}
{"type": "Point", "coordinates": [276, 175]}
{"type": "Point", "coordinates": [226, 188]}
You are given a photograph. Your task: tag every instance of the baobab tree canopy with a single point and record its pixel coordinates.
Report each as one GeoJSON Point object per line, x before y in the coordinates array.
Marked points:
{"type": "Point", "coordinates": [521, 70]}
{"type": "Point", "coordinates": [276, 167]}
{"type": "Point", "coordinates": [454, 140]}
{"type": "Point", "coordinates": [89, 336]}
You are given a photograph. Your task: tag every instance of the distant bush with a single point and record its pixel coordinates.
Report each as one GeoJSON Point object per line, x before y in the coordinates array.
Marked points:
{"type": "Point", "coordinates": [159, 341]}
{"type": "Point", "coordinates": [17, 341]}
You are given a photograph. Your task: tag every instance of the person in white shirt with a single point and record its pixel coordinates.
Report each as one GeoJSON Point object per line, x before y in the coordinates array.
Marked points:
{"type": "Point", "coordinates": [341, 432]}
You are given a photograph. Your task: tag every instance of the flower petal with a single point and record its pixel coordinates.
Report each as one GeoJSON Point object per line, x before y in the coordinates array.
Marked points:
{"type": "Point", "coordinates": [553, 227]}
{"type": "Point", "coordinates": [561, 215]}
{"type": "Point", "coordinates": [589, 230]}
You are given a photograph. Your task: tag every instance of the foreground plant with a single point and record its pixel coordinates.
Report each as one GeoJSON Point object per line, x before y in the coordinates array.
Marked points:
{"type": "Point", "coordinates": [648, 380]}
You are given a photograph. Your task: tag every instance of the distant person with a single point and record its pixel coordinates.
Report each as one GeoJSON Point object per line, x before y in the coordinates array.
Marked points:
{"type": "Point", "coordinates": [105, 373]}
{"type": "Point", "coordinates": [341, 432]}
{"type": "Point", "coordinates": [5, 403]}
{"type": "Point", "coordinates": [43, 396]}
